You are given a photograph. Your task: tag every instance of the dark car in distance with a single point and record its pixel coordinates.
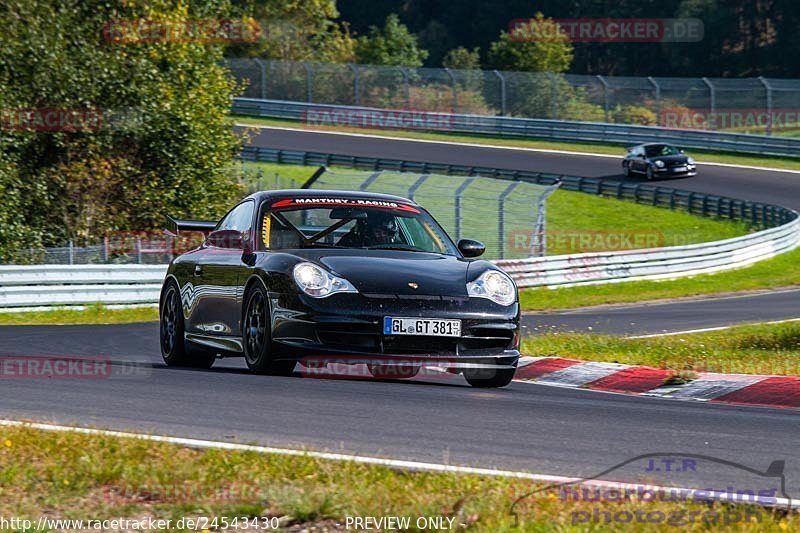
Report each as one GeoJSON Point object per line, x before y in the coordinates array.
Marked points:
{"type": "Point", "coordinates": [658, 160]}
{"type": "Point", "coordinates": [294, 276]}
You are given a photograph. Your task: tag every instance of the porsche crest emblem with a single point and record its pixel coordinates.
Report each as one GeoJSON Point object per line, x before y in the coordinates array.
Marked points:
{"type": "Point", "coordinates": [413, 285]}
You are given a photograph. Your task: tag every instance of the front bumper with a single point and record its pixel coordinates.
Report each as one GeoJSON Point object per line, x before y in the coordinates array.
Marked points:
{"type": "Point", "coordinates": [348, 328]}
{"type": "Point", "coordinates": [689, 170]}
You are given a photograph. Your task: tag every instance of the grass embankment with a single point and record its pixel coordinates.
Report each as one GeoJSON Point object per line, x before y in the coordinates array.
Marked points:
{"type": "Point", "coordinates": [95, 314]}
{"type": "Point", "coordinates": [74, 476]}
{"type": "Point", "coordinates": [594, 148]}
{"type": "Point", "coordinates": [765, 349]}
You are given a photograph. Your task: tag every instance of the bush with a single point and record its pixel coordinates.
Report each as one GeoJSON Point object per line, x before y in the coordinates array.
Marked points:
{"type": "Point", "coordinates": [632, 114]}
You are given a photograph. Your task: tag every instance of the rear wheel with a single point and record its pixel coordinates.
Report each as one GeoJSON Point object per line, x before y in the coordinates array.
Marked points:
{"type": "Point", "coordinates": [174, 348]}
{"type": "Point", "coordinates": [485, 378]}
{"type": "Point", "coordinates": [257, 336]}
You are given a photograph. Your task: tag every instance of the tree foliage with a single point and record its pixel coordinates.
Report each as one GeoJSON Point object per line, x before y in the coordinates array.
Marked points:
{"type": "Point", "coordinates": [461, 58]}
{"type": "Point", "coordinates": [163, 145]}
{"type": "Point", "coordinates": [296, 30]}
{"type": "Point", "coordinates": [534, 46]}
{"type": "Point", "coordinates": [391, 44]}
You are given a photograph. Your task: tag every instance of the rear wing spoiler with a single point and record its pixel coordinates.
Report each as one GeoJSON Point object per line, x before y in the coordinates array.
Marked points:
{"type": "Point", "coordinates": [175, 226]}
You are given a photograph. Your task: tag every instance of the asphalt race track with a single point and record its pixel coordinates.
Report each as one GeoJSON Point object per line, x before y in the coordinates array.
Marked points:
{"type": "Point", "coordinates": [439, 419]}
{"type": "Point", "coordinates": [523, 426]}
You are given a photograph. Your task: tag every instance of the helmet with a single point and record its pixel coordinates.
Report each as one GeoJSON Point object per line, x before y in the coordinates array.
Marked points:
{"type": "Point", "coordinates": [381, 228]}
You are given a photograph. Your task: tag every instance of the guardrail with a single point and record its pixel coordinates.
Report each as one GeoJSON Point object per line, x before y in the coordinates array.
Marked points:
{"type": "Point", "coordinates": [556, 130]}
{"type": "Point", "coordinates": [33, 286]}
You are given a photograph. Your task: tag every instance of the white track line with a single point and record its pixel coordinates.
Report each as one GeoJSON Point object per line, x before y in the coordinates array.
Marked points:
{"type": "Point", "coordinates": [391, 463]}
{"type": "Point", "coordinates": [718, 328]}
{"type": "Point", "coordinates": [494, 146]}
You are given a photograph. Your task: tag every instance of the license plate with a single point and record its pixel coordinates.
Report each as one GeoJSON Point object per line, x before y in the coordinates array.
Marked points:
{"type": "Point", "coordinates": [679, 169]}
{"type": "Point", "coordinates": [433, 327]}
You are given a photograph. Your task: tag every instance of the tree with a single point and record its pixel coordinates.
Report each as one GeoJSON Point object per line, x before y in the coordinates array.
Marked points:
{"type": "Point", "coordinates": [461, 58]}
{"type": "Point", "coordinates": [535, 46]}
{"type": "Point", "coordinates": [296, 30]}
{"type": "Point", "coordinates": [392, 44]}
{"type": "Point", "coordinates": [163, 143]}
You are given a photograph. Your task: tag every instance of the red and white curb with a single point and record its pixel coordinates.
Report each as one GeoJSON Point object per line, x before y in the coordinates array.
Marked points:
{"type": "Point", "coordinates": [740, 389]}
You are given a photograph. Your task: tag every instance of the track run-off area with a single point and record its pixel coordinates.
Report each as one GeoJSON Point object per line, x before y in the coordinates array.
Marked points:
{"type": "Point", "coordinates": [528, 427]}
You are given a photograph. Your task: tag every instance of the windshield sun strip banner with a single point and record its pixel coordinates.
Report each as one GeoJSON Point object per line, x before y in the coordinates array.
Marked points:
{"type": "Point", "coordinates": [290, 203]}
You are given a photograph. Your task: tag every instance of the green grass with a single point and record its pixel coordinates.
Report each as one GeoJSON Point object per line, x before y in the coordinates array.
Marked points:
{"type": "Point", "coordinates": [74, 476]}
{"type": "Point", "coordinates": [596, 148]}
{"type": "Point", "coordinates": [576, 222]}
{"type": "Point", "coordinates": [764, 349]}
{"type": "Point", "coordinates": [95, 314]}
{"type": "Point", "coordinates": [780, 271]}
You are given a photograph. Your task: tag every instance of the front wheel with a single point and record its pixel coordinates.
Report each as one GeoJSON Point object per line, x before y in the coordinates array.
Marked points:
{"type": "Point", "coordinates": [174, 349]}
{"type": "Point", "coordinates": [486, 379]}
{"type": "Point", "coordinates": [257, 336]}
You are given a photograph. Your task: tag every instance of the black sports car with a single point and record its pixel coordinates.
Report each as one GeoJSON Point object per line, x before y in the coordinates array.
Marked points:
{"type": "Point", "coordinates": [309, 275]}
{"type": "Point", "coordinates": [658, 161]}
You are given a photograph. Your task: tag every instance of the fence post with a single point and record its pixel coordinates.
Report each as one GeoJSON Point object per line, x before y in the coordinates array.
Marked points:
{"type": "Point", "coordinates": [657, 88]}
{"type": "Point", "coordinates": [263, 68]}
{"type": "Point", "coordinates": [71, 252]}
{"type": "Point", "coordinates": [356, 91]}
{"type": "Point", "coordinates": [458, 194]}
{"type": "Point", "coordinates": [309, 77]}
{"type": "Point", "coordinates": [502, 79]}
{"type": "Point", "coordinates": [501, 223]}
{"type": "Point", "coordinates": [453, 86]}
{"type": "Point", "coordinates": [406, 84]}
{"type": "Point", "coordinates": [768, 88]}
{"type": "Point", "coordinates": [139, 250]}
{"type": "Point", "coordinates": [553, 96]}
{"type": "Point", "coordinates": [605, 95]}
{"type": "Point", "coordinates": [105, 249]}
{"type": "Point", "coordinates": [712, 99]}
{"type": "Point", "coordinates": [416, 185]}
{"type": "Point", "coordinates": [539, 242]}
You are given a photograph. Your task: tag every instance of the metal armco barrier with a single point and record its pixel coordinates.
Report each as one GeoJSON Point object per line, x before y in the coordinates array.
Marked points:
{"type": "Point", "coordinates": [556, 130]}
{"type": "Point", "coordinates": [68, 285]}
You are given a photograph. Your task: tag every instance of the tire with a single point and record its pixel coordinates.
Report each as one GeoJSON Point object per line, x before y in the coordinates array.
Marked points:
{"type": "Point", "coordinates": [486, 379]}
{"type": "Point", "coordinates": [174, 349]}
{"type": "Point", "coordinates": [393, 371]}
{"type": "Point", "coordinates": [257, 335]}
{"type": "Point", "coordinates": [626, 170]}
{"type": "Point", "coordinates": [649, 173]}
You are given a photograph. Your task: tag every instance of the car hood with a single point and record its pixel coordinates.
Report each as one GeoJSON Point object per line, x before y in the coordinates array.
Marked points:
{"type": "Point", "coordinates": [671, 158]}
{"type": "Point", "coordinates": [393, 272]}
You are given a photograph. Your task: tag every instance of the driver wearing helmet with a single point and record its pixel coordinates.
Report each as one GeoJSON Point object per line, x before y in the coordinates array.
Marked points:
{"type": "Point", "coordinates": [378, 228]}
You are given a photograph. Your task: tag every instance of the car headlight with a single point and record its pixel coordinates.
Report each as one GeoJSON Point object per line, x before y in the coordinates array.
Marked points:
{"type": "Point", "coordinates": [318, 282]}
{"type": "Point", "coordinates": [659, 163]}
{"type": "Point", "coordinates": [495, 286]}
{"type": "Point", "coordinates": [690, 161]}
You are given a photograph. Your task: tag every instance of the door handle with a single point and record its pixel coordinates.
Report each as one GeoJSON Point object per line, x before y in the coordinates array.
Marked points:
{"type": "Point", "coordinates": [198, 270]}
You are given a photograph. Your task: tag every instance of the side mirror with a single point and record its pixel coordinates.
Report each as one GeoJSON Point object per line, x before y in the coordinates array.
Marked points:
{"type": "Point", "coordinates": [470, 248]}
{"type": "Point", "coordinates": [226, 238]}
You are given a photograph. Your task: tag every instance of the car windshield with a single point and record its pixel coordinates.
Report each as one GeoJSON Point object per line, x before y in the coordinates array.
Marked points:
{"type": "Point", "coordinates": [352, 223]}
{"type": "Point", "coordinates": [657, 150]}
